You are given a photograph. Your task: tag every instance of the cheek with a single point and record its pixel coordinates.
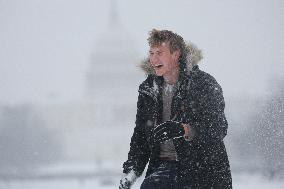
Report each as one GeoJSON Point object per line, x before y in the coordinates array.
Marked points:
{"type": "Point", "coordinates": [153, 60]}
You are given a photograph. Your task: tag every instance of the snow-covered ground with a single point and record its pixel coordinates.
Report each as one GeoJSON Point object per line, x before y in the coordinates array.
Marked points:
{"type": "Point", "coordinates": [240, 181]}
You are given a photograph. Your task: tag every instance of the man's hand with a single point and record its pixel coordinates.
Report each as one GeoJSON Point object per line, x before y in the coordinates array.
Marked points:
{"type": "Point", "coordinates": [127, 180]}
{"type": "Point", "coordinates": [168, 130]}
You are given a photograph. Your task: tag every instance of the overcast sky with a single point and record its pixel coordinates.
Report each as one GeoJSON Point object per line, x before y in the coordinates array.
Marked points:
{"type": "Point", "coordinates": [45, 46]}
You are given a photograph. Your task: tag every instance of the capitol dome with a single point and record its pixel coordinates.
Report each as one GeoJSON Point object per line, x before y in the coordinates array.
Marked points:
{"type": "Point", "coordinates": [113, 71]}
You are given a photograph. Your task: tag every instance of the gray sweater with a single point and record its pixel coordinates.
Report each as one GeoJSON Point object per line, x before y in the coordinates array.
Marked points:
{"type": "Point", "coordinates": [167, 148]}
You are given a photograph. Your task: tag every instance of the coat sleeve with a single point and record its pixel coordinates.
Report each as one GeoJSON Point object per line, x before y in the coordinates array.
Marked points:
{"type": "Point", "coordinates": [209, 119]}
{"type": "Point", "coordinates": [139, 152]}
{"type": "Point", "coordinates": [206, 112]}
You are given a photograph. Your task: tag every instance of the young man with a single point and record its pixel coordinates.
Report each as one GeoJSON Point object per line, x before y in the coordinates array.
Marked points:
{"type": "Point", "coordinates": [180, 122]}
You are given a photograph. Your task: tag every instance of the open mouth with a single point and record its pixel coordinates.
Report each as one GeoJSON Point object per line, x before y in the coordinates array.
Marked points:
{"type": "Point", "coordinates": [158, 66]}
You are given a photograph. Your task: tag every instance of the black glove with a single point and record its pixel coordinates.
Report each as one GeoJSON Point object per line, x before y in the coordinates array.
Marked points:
{"type": "Point", "coordinates": [167, 130]}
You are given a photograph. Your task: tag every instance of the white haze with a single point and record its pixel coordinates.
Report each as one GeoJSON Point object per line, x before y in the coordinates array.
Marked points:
{"type": "Point", "coordinates": [45, 46]}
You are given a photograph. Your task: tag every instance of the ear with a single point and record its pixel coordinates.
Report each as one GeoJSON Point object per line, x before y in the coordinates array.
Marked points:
{"type": "Point", "coordinates": [177, 54]}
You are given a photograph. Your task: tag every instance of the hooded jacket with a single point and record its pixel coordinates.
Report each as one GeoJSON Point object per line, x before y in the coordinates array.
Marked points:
{"type": "Point", "coordinates": [198, 101]}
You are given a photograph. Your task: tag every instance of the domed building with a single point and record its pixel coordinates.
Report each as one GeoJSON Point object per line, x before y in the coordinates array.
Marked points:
{"type": "Point", "coordinates": [113, 70]}
{"type": "Point", "coordinates": [113, 75]}
{"type": "Point", "coordinates": [96, 128]}
{"type": "Point", "coordinates": [104, 119]}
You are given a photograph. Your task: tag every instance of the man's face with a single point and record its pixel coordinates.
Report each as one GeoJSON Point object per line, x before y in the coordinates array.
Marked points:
{"type": "Point", "coordinates": [162, 60]}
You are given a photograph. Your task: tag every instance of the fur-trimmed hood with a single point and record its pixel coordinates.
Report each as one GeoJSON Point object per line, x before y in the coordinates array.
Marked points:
{"type": "Point", "coordinates": [194, 55]}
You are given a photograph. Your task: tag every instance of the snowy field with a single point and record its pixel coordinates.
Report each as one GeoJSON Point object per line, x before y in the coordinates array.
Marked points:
{"type": "Point", "coordinates": [243, 181]}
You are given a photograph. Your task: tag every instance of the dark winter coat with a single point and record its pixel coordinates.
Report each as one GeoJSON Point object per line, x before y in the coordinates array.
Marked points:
{"type": "Point", "coordinates": [198, 101]}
